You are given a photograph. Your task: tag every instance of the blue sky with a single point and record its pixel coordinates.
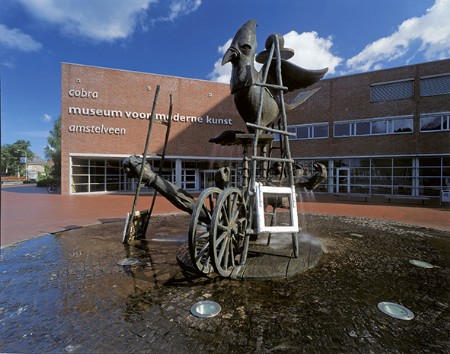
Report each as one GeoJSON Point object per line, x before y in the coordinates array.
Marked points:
{"type": "Point", "coordinates": [187, 38]}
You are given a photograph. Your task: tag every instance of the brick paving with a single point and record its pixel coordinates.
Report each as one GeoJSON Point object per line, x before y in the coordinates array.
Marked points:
{"type": "Point", "coordinates": [66, 292]}
{"type": "Point", "coordinates": [29, 211]}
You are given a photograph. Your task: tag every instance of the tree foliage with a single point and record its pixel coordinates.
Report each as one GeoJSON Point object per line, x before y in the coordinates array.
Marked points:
{"type": "Point", "coordinates": [11, 157]}
{"type": "Point", "coordinates": [53, 149]}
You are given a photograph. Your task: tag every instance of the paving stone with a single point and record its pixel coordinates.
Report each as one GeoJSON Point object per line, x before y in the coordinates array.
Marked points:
{"type": "Point", "coordinates": [66, 293]}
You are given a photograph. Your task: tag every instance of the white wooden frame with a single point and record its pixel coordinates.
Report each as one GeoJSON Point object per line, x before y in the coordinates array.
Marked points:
{"type": "Point", "coordinates": [285, 191]}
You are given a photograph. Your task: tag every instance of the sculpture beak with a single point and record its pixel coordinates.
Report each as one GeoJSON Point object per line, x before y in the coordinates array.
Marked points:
{"type": "Point", "coordinates": [230, 54]}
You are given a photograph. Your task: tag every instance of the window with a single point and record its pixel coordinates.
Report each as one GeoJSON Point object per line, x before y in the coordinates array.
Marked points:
{"type": "Point", "coordinates": [303, 132]}
{"type": "Point", "coordinates": [436, 85]}
{"type": "Point", "coordinates": [374, 126]}
{"type": "Point", "coordinates": [309, 131]}
{"type": "Point", "coordinates": [395, 90]}
{"type": "Point", "coordinates": [320, 131]}
{"type": "Point", "coordinates": [435, 122]}
{"type": "Point", "coordinates": [402, 126]}
{"type": "Point", "coordinates": [379, 127]}
{"type": "Point", "coordinates": [341, 129]}
{"type": "Point", "coordinates": [362, 128]}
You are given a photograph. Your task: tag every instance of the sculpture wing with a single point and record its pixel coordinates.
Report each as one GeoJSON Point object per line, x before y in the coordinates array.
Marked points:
{"type": "Point", "coordinates": [294, 77]}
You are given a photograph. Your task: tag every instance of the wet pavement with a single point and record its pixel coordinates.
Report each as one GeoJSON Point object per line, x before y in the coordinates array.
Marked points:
{"type": "Point", "coordinates": [28, 211]}
{"type": "Point", "coordinates": [67, 293]}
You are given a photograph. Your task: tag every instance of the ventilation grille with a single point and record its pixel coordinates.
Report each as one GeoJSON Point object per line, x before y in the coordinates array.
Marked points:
{"type": "Point", "coordinates": [433, 86]}
{"type": "Point", "coordinates": [392, 91]}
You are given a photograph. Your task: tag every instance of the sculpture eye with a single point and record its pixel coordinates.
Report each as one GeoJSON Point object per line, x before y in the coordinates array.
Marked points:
{"type": "Point", "coordinates": [246, 48]}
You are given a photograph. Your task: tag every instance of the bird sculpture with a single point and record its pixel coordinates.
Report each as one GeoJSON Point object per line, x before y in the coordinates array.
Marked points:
{"type": "Point", "coordinates": [244, 77]}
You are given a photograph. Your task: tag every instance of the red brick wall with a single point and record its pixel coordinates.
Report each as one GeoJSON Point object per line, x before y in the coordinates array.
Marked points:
{"type": "Point", "coordinates": [127, 91]}
{"type": "Point", "coordinates": [342, 98]}
{"type": "Point", "coordinates": [348, 98]}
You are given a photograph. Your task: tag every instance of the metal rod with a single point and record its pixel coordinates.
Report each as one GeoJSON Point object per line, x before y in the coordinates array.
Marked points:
{"type": "Point", "coordinates": [141, 173]}
{"type": "Point", "coordinates": [278, 87]}
{"type": "Point", "coordinates": [274, 159]}
{"type": "Point", "coordinates": [163, 156]}
{"type": "Point", "coordinates": [282, 132]}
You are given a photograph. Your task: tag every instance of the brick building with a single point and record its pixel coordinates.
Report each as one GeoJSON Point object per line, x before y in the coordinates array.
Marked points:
{"type": "Point", "coordinates": [379, 133]}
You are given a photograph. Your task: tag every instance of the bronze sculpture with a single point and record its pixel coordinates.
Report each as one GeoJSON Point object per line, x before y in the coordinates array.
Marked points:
{"type": "Point", "coordinates": [245, 77]}
{"type": "Point", "coordinates": [224, 217]}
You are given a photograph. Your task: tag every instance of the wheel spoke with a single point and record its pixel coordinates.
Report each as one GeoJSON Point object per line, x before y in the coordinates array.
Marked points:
{"type": "Point", "coordinates": [221, 237]}
{"type": "Point", "coordinates": [225, 214]}
{"type": "Point", "coordinates": [224, 253]}
{"type": "Point", "coordinates": [232, 252]}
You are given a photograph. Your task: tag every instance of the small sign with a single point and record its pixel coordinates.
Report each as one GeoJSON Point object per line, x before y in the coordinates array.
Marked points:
{"type": "Point", "coordinates": [23, 160]}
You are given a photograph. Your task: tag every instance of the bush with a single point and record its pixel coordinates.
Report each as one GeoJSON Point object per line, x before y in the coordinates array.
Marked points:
{"type": "Point", "coordinates": [43, 182]}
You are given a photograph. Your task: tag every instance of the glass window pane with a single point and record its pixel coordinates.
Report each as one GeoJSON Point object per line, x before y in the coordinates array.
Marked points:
{"type": "Point", "coordinates": [430, 161]}
{"type": "Point", "coordinates": [79, 188]}
{"type": "Point", "coordinates": [402, 162]}
{"type": "Point", "coordinates": [97, 179]}
{"type": "Point", "coordinates": [381, 190]}
{"type": "Point", "coordinates": [403, 125]}
{"type": "Point", "coordinates": [341, 129]}
{"type": "Point", "coordinates": [402, 171]}
{"type": "Point", "coordinates": [381, 162]}
{"type": "Point", "coordinates": [362, 128]}
{"type": "Point", "coordinates": [97, 170]}
{"type": "Point", "coordinates": [302, 132]}
{"type": "Point", "coordinates": [379, 127]}
{"type": "Point", "coordinates": [78, 161]}
{"type": "Point", "coordinates": [80, 179]}
{"type": "Point", "coordinates": [360, 189]}
{"type": "Point", "coordinates": [77, 170]}
{"type": "Point", "coordinates": [321, 131]}
{"type": "Point", "coordinates": [430, 123]}
{"type": "Point", "coordinates": [97, 187]}
{"type": "Point", "coordinates": [97, 162]}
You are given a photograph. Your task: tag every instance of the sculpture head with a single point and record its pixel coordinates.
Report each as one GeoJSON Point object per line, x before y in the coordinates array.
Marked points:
{"type": "Point", "coordinates": [241, 54]}
{"type": "Point", "coordinates": [243, 47]}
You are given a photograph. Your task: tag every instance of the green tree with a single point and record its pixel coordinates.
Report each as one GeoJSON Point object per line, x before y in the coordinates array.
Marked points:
{"type": "Point", "coordinates": [11, 162]}
{"type": "Point", "coordinates": [53, 149]}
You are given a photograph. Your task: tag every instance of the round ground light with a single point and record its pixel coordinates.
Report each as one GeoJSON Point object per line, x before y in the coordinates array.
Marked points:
{"type": "Point", "coordinates": [206, 309]}
{"type": "Point", "coordinates": [395, 310]}
{"type": "Point", "coordinates": [421, 264]}
{"type": "Point", "coordinates": [128, 262]}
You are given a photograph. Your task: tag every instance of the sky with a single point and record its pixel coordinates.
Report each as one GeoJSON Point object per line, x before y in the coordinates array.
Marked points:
{"type": "Point", "coordinates": [187, 38]}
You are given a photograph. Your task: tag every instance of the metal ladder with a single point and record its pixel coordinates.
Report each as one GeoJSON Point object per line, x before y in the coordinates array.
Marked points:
{"type": "Point", "coordinates": [285, 159]}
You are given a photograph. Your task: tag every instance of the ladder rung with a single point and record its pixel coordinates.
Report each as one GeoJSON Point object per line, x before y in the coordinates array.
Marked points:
{"type": "Point", "coordinates": [273, 159]}
{"type": "Point", "coordinates": [282, 132]}
{"type": "Point", "coordinates": [284, 88]}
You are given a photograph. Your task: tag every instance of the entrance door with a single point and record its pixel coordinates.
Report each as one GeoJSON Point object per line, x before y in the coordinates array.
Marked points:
{"type": "Point", "coordinates": [343, 180]}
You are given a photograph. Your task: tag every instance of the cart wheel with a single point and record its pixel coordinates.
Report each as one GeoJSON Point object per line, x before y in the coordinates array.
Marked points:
{"type": "Point", "coordinates": [199, 229]}
{"type": "Point", "coordinates": [227, 235]}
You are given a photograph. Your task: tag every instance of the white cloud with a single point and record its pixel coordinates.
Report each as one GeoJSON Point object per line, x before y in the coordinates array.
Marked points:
{"type": "Point", "coordinates": [431, 30]}
{"type": "Point", "coordinates": [311, 52]}
{"type": "Point", "coordinates": [221, 73]}
{"type": "Point", "coordinates": [104, 20]}
{"type": "Point", "coordinates": [16, 39]}
{"type": "Point", "coordinates": [181, 7]}
{"type": "Point", "coordinates": [47, 117]}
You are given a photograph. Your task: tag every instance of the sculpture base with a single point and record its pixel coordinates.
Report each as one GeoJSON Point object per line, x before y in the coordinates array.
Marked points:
{"type": "Point", "coordinates": [275, 260]}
